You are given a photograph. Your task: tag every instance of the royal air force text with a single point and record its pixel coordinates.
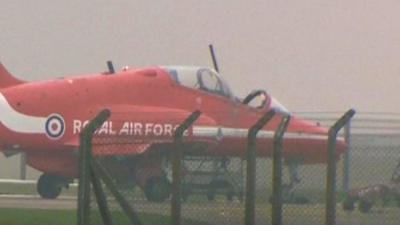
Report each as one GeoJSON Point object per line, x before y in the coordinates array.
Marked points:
{"type": "Point", "coordinates": [128, 128]}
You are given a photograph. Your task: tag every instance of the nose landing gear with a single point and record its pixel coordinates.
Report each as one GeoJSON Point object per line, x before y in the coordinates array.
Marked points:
{"type": "Point", "coordinates": [288, 189]}
{"type": "Point", "coordinates": [157, 189]}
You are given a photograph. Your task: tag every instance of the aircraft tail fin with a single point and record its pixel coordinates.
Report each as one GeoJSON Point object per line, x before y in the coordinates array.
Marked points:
{"type": "Point", "coordinates": [7, 79]}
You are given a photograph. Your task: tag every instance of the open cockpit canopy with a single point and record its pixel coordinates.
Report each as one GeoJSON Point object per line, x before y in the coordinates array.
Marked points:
{"type": "Point", "coordinates": [208, 80]}
{"type": "Point", "coordinates": [199, 78]}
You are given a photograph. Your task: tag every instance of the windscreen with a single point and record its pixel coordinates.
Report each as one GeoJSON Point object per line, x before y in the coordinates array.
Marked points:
{"type": "Point", "coordinates": [204, 79]}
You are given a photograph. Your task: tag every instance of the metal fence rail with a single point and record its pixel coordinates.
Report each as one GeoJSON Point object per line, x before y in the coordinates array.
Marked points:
{"type": "Point", "coordinates": [209, 190]}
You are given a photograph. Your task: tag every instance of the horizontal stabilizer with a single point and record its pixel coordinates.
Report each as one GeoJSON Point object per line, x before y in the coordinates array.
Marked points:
{"type": "Point", "coordinates": [6, 79]}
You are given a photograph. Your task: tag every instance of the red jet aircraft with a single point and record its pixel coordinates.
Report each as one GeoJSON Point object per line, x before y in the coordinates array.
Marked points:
{"type": "Point", "coordinates": [44, 119]}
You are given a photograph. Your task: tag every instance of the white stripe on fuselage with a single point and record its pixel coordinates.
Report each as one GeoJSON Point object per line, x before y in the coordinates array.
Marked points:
{"type": "Point", "coordinates": [220, 132]}
{"type": "Point", "coordinates": [22, 123]}
{"type": "Point", "coordinates": [19, 122]}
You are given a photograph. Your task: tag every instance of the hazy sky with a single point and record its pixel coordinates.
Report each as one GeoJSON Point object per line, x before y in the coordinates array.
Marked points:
{"type": "Point", "coordinates": [314, 55]}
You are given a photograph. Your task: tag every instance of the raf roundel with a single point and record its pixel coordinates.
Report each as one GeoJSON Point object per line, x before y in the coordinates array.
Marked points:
{"type": "Point", "coordinates": [55, 126]}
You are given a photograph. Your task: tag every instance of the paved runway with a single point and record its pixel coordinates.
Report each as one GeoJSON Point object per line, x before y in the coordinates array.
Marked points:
{"type": "Point", "coordinates": [36, 202]}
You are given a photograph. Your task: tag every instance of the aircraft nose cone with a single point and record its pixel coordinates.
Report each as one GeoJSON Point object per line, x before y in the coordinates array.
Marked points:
{"type": "Point", "coordinates": [312, 144]}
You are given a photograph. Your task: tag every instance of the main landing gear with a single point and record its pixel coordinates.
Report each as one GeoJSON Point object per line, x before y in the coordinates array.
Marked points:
{"type": "Point", "coordinates": [150, 176]}
{"type": "Point", "coordinates": [288, 189]}
{"type": "Point", "coordinates": [157, 189]}
{"type": "Point", "coordinates": [49, 186]}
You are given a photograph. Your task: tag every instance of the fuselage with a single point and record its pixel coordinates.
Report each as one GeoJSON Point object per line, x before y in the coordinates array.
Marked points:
{"type": "Point", "coordinates": [44, 119]}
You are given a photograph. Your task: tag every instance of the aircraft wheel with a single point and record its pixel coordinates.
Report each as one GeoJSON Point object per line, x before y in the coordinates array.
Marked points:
{"type": "Point", "coordinates": [348, 204]}
{"type": "Point", "coordinates": [398, 201]}
{"type": "Point", "coordinates": [230, 195]}
{"type": "Point", "coordinates": [49, 186]}
{"type": "Point", "coordinates": [211, 195]}
{"type": "Point", "coordinates": [157, 189]}
{"type": "Point", "coordinates": [185, 192]}
{"type": "Point", "coordinates": [301, 200]}
{"type": "Point", "coordinates": [288, 194]}
{"type": "Point", "coordinates": [364, 206]}
{"type": "Point", "coordinates": [241, 196]}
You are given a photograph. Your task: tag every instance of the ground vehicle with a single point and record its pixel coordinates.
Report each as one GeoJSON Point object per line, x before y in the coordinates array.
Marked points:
{"type": "Point", "coordinates": [367, 196]}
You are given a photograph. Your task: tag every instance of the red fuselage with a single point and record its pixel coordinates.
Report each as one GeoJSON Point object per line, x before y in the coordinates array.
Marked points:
{"type": "Point", "coordinates": [44, 119]}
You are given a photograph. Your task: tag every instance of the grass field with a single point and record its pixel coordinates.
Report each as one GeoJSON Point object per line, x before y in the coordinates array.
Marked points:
{"type": "Point", "coordinates": [293, 215]}
{"type": "Point", "coordinates": [68, 217]}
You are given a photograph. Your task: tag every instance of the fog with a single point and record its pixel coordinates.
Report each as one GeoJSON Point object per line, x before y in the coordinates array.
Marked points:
{"type": "Point", "coordinates": [311, 55]}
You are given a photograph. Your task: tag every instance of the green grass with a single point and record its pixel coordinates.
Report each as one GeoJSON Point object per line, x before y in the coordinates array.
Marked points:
{"type": "Point", "coordinates": [68, 217]}
{"type": "Point", "coordinates": [218, 214]}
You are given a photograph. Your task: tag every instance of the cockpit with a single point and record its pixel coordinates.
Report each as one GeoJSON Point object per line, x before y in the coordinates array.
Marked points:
{"type": "Point", "coordinates": [200, 78]}
{"type": "Point", "coordinates": [208, 80]}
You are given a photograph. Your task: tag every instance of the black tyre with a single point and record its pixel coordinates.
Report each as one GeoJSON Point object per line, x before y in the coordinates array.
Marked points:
{"type": "Point", "coordinates": [241, 196]}
{"type": "Point", "coordinates": [185, 192]}
{"type": "Point", "coordinates": [158, 189]}
{"type": "Point", "coordinates": [230, 195]}
{"type": "Point", "coordinates": [49, 186]}
{"type": "Point", "coordinates": [211, 195]}
{"type": "Point", "coordinates": [214, 186]}
{"type": "Point", "coordinates": [398, 202]}
{"type": "Point", "coordinates": [301, 200]}
{"type": "Point", "coordinates": [364, 206]}
{"type": "Point", "coordinates": [348, 204]}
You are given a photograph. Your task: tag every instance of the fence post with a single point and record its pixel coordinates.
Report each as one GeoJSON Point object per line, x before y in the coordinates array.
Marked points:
{"type": "Point", "coordinates": [277, 172]}
{"type": "Point", "coordinates": [330, 210]}
{"type": "Point", "coordinates": [101, 198]}
{"type": "Point", "coordinates": [84, 166]}
{"type": "Point", "coordinates": [177, 155]}
{"type": "Point", "coordinates": [100, 172]}
{"type": "Point", "coordinates": [251, 153]}
{"type": "Point", "coordinates": [347, 157]}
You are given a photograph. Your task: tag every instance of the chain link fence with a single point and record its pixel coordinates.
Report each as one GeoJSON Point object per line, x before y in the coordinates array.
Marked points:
{"type": "Point", "coordinates": [127, 185]}
{"type": "Point", "coordinates": [367, 188]}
